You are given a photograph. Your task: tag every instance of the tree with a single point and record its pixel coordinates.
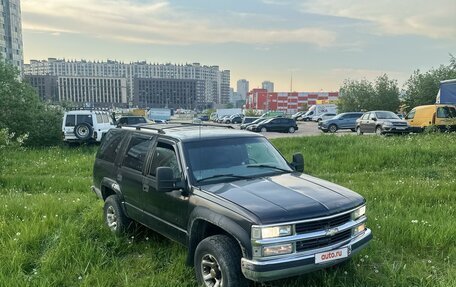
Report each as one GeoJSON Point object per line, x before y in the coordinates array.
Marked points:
{"type": "Point", "coordinates": [23, 113]}
{"type": "Point", "coordinates": [422, 88]}
{"type": "Point", "coordinates": [364, 95]}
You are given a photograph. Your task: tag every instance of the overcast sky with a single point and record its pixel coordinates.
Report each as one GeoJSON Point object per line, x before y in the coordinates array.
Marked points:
{"type": "Point", "coordinates": [320, 42]}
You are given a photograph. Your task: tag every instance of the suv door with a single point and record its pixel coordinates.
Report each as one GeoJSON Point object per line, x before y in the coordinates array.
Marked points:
{"type": "Point", "coordinates": [166, 212]}
{"type": "Point", "coordinates": [364, 122]}
{"type": "Point", "coordinates": [130, 173]}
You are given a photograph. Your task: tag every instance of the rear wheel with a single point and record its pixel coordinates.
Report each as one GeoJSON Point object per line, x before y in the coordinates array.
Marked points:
{"type": "Point", "coordinates": [114, 216]}
{"type": "Point", "coordinates": [358, 131]}
{"type": "Point", "coordinates": [218, 263]}
{"type": "Point", "coordinates": [332, 128]}
{"type": "Point", "coordinates": [263, 130]}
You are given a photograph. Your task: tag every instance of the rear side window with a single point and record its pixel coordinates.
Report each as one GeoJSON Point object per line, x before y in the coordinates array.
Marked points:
{"type": "Point", "coordinates": [84, 119]}
{"type": "Point", "coordinates": [136, 152]}
{"type": "Point", "coordinates": [105, 118]}
{"type": "Point", "coordinates": [446, 112]}
{"type": "Point", "coordinates": [70, 121]}
{"type": "Point", "coordinates": [110, 146]}
{"type": "Point", "coordinates": [99, 118]}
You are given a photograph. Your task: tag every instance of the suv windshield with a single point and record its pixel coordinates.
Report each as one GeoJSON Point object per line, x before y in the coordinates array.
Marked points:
{"type": "Point", "coordinates": [387, 115]}
{"type": "Point", "coordinates": [230, 159]}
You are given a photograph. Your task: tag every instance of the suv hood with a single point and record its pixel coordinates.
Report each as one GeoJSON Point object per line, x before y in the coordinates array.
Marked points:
{"type": "Point", "coordinates": [287, 197]}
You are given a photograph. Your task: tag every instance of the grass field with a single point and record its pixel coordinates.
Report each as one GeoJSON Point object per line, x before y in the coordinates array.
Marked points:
{"type": "Point", "coordinates": [52, 232]}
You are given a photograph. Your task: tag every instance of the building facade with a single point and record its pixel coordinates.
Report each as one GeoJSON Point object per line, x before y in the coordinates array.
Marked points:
{"type": "Point", "coordinates": [216, 82]}
{"type": "Point", "coordinates": [45, 86]}
{"type": "Point", "coordinates": [11, 48]}
{"type": "Point", "coordinates": [242, 88]}
{"type": "Point", "coordinates": [289, 102]}
{"type": "Point", "coordinates": [168, 93]}
{"type": "Point", "coordinates": [268, 86]}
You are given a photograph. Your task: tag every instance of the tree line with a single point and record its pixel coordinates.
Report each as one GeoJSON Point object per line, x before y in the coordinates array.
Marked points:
{"type": "Point", "coordinates": [384, 93]}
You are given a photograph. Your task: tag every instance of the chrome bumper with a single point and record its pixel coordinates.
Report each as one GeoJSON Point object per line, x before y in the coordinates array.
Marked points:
{"type": "Point", "coordinates": [297, 264]}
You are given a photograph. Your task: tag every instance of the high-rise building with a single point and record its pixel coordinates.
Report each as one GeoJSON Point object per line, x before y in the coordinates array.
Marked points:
{"type": "Point", "coordinates": [243, 88]}
{"type": "Point", "coordinates": [11, 48]}
{"type": "Point", "coordinates": [268, 86]}
{"type": "Point", "coordinates": [213, 82]}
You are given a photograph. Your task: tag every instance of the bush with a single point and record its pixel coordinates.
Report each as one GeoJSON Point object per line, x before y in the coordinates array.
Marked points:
{"type": "Point", "coordinates": [23, 113]}
{"type": "Point", "coordinates": [8, 140]}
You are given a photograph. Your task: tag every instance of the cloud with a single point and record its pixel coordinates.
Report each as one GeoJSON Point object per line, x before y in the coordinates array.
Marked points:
{"type": "Point", "coordinates": [154, 23]}
{"type": "Point", "coordinates": [368, 74]}
{"type": "Point", "coordinates": [433, 19]}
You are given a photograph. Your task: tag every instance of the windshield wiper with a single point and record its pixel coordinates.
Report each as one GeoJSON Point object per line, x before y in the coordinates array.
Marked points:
{"type": "Point", "coordinates": [225, 175]}
{"type": "Point", "coordinates": [268, 166]}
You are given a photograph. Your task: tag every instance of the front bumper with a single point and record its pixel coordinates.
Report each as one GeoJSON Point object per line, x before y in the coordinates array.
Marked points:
{"type": "Point", "coordinates": [395, 129]}
{"type": "Point", "coordinates": [297, 264]}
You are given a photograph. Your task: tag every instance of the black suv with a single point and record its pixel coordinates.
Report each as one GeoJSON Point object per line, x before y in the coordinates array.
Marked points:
{"type": "Point", "coordinates": [278, 124]}
{"type": "Point", "coordinates": [131, 120]}
{"type": "Point", "coordinates": [231, 198]}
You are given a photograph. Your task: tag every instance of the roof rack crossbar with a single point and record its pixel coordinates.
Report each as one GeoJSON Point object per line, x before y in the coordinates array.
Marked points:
{"type": "Point", "coordinates": [161, 130]}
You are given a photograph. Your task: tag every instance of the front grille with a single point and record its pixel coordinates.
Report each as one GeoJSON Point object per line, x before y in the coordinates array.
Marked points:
{"type": "Point", "coordinates": [322, 224]}
{"type": "Point", "coordinates": [322, 241]}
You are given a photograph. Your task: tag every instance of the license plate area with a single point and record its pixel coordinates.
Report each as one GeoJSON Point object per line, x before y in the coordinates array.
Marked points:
{"type": "Point", "coordinates": [331, 255]}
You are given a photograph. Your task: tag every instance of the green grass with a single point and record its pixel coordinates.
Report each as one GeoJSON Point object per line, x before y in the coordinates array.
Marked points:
{"type": "Point", "coordinates": [52, 232]}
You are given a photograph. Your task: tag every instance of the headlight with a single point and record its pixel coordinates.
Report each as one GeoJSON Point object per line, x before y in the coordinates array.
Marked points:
{"type": "Point", "coordinates": [359, 212]}
{"type": "Point", "coordinates": [277, 249]}
{"type": "Point", "coordinates": [388, 124]}
{"type": "Point", "coordinates": [271, 232]}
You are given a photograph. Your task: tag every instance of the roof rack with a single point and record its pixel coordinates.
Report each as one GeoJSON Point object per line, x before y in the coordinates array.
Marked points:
{"type": "Point", "coordinates": [161, 130]}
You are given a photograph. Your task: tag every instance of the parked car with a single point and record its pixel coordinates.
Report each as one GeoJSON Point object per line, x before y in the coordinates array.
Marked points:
{"type": "Point", "coordinates": [381, 122]}
{"type": "Point", "coordinates": [325, 116]}
{"type": "Point", "coordinates": [230, 197]}
{"type": "Point", "coordinates": [85, 125]}
{"type": "Point", "coordinates": [298, 115]}
{"type": "Point", "coordinates": [130, 120]}
{"type": "Point", "coordinates": [275, 125]}
{"type": "Point", "coordinates": [441, 116]}
{"type": "Point", "coordinates": [344, 121]}
{"type": "Point", "coordinates": [204, 118]}
{"type": "Point", "coordinates": [256, 121]}
{"type": "Point", "coordinates": [233, 119]}
{"type": "Point", "coordinates": [222, 119]}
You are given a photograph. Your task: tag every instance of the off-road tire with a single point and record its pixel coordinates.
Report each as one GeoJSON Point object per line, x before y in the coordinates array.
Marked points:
{"type": "Point", "coordinates": [218, 258]}
{"type": "Point", "coordinates": [114, 217]}
{"type": "Point", "coordinates": [83, 131]}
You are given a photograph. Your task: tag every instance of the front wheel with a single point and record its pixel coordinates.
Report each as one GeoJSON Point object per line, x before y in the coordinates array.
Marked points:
{"type": "Point", "coordinates": [358, 131]}
{"type": "Point", "coordinates": [218, 263]}
{"type": "Point", "coordinates": [263, 130]}
{"type": "Point", "coordinates": [291, 130]}
{"type": "Point", "coordinates": [332, 128]}
{"type": "Point", "coordinates": [379, 131]}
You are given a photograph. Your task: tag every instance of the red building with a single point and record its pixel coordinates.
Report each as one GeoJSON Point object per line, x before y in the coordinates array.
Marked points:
{"type": "Point", "coordinates": [260, 99]}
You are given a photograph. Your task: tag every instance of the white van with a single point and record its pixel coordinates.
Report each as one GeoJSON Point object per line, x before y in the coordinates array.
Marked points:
{"type": "Point", "coordinates": [316, 111]}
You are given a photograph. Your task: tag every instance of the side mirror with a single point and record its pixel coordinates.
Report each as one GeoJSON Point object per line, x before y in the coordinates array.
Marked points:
{"type": "Point", "coordinates": [374, 119]}
{"type": "Point", "coordinates": [165, 179]}
{"type": "Point", "coordinates": [298, 162]}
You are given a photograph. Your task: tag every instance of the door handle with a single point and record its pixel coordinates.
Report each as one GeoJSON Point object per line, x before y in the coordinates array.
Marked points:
{"type": "Point", "coordinates": [145, 187]}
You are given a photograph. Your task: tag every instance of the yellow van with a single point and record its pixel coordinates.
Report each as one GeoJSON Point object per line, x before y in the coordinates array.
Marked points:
{"type": "Point", "coordinates": [442, 116]}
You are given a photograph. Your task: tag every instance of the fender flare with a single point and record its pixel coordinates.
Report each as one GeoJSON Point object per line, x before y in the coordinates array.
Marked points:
{"type": "Point", "coordinates": [225, 223]}
{"type": "Point", "coordinates": [114, 186]}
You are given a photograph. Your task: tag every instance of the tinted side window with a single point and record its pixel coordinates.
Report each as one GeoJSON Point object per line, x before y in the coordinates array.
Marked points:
{"type": "Point", "coordinates": [110, 146]}
{"type": "Point", "coordinates": [446, 112]}
{"type": "Point", "coordinates": [371, 116]}
{"type": "Point", "coordinates": [84, 119]}
{"type": "Point", "coordinates": [136, 152]}
{"type": "Point", "coordinates": [70, 121]}
{"type": "Point", "coordinates": [164, 155]}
